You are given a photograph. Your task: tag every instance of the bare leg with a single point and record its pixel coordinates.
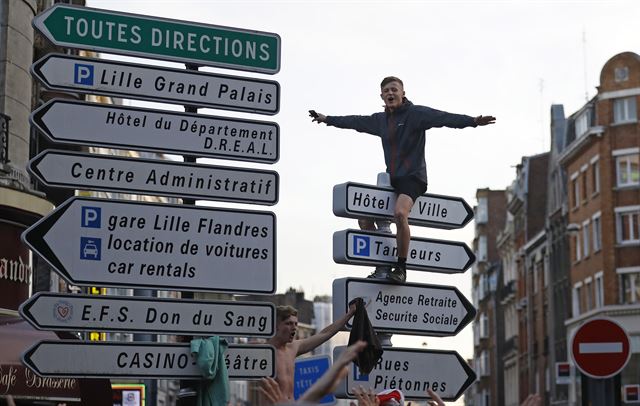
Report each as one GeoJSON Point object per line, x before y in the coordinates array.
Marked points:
{"type": "Point", "coordinates": [401, 213]}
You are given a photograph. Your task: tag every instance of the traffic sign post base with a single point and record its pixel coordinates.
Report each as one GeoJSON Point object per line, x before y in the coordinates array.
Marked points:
{"type": "Point", "coordinates": [601, 391]}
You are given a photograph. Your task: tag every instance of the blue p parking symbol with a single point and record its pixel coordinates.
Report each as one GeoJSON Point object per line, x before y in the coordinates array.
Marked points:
{"type": "Point", "coordinates": [361, 245]}
{"type": "Point", "coordinates": [357, 376]}
{"type": "Point", "coordinates": [83, 74]}
{"type": "Point", "coordinates": [90, 217]}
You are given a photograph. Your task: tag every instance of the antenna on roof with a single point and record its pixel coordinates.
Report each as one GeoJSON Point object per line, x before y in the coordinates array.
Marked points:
{"type": "Point", "coordinates": [584, 61]}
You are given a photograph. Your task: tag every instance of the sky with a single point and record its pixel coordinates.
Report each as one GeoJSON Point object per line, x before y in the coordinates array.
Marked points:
{"type": "Point", "coordinates": [509, 59]}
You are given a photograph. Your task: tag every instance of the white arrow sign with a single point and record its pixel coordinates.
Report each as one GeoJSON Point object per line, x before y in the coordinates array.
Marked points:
{"type": "Point", "coordinates": [409, 308]}
{"type": "Point", "coordinates": [159, 246]}
{"type": "Point", "coordinates": [412, 371]}
{"type": "Point", "coordinates": [59, 312]}
{"type": "Point", "coordinates": [355, 200]}
{"type": "Point", "coordinates": [156, 177]}
{"type": "Point", "coordinates": [158, 130]}
{"type": "Point", "coordinates": [159, 84]}
{"type": "Point", "coordinates": [85, 359]}
{"type": "Point", "coordinates": [369, 248]}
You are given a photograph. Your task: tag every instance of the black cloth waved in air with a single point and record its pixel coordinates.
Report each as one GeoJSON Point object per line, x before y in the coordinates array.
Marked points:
{"type": "Point", "coordinates": [362, 330]}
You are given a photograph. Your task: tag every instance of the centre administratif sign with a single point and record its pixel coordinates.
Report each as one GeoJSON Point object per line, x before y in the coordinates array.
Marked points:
{"type": "Point", "coordinates": [160, 38]}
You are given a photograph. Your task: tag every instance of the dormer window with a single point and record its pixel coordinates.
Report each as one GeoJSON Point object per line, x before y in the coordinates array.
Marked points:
{"type": "Point", "coordinates": [582, 123]}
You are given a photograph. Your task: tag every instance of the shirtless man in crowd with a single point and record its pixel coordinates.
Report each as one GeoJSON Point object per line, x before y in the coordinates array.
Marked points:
{"type": "Point", "coordinates": [288, 348]}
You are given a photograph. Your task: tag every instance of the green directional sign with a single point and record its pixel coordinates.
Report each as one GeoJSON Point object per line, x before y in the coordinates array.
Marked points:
{"type": "Point", "coordinates": [160, 38]}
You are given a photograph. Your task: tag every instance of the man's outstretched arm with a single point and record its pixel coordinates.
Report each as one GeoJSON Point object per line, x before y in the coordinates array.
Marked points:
{"type": "Point", "coordinates": [363, 124]}
{"type": "Point", "coordinates": [309, 343]}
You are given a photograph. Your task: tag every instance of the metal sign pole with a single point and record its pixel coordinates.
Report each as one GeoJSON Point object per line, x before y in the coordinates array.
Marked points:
{"type": "Point", "coordinates": [383, 271]}
{"type": "Point", "coordinates": [188, 395]}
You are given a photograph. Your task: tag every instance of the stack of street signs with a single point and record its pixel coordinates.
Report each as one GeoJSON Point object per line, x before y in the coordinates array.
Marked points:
{"type": "Point", "coordinates": [99, 242]}
{"type": "Point", "coordinates": [407, 308]}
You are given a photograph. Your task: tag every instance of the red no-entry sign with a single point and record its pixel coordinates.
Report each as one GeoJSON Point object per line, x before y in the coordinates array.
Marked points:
{"type": "Point", "coordinates": [600, 348]}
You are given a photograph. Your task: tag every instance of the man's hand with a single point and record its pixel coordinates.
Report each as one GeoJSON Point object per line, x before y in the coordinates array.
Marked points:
{"type": "Point", "coordinates": [435, 399]}
{"type": "Point", "coordinates": [336, 373]}
{"type": "Point", "coordinates": [317, 117]}
{"type": "Point", "coordinates": [350, 353]}
{"type": "Point", "coordinates": [352, 309]}
{"type": "Point", "coordinates": [271, 390]}
{"type": "Point", "coordinates": [484, 120]}
{"type": "Point", "coordinates": [366, 397]}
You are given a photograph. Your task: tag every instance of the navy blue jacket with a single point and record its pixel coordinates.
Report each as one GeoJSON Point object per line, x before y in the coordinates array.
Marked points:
{"type": "Point", "coordinates": [403, 134]}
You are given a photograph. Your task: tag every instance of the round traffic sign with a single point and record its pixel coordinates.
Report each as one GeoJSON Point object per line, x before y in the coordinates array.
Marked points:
{"type": "Point", "coordinates": [600, 348]}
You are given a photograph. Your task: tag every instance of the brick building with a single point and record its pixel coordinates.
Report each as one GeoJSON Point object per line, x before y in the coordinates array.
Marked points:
{"type": "Point", "coordinates": [569, 251]}
{"type": "Point", "coordinates": [557, 254]}
{"type": "Point", "coordinates": [488, 327]}
{"type": "Point", "coordinates": [602, 164]}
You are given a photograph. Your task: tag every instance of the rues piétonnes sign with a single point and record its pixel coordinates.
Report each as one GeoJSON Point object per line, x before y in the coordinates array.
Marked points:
{"type": "Point", "coordinates": [161, 131]}
{"type": "Point", "coordinates": [91, 241]}
{"type": "Point", "coordinates": [412, 371]}
{"type": "Point", "coordinates": [160, 38]}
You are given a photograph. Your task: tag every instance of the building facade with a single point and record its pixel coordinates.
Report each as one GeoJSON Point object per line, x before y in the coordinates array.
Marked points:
{"type": "Point", "coordinates": [569, 252]}
{"type": "Point", "coordinates": [602, 163]}
{"type": "Point", "coordinates": [487, 282]}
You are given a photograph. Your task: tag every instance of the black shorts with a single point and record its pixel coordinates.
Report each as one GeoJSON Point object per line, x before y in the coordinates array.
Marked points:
{"type": "Point", "coordinates": [410, 186]}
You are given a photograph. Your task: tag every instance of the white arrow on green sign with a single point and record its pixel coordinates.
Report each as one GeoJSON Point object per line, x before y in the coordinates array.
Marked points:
{"type": "Point", "coordinates": [160, 38]}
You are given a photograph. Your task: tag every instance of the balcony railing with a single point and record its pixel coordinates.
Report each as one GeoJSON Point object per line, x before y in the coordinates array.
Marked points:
{"type": "Point", "coordinates": [4, 138]}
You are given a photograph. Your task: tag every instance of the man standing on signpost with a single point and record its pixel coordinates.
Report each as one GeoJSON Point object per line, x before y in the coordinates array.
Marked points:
{"type": "Point", "coordinates": [402, 128]}
{"type": "Point", "coordinates": [287, 348]}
